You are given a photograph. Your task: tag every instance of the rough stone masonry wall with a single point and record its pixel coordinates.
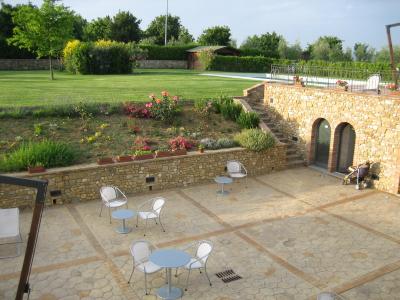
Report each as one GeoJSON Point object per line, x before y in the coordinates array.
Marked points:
{"type": "Point", "coordinates": [82, 183]}
{"type": "Point", "coordinates": [375, 118]}
{"type": "Point", "coordinates": [27, 64]}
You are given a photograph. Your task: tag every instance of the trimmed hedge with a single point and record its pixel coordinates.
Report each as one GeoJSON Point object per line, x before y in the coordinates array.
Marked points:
{"type": "Point", "coordinates": [155, 52]}
{"type": "Point", "coordinates": [258, 64]}
{"type": "Point", "coordinates": [101, 57]}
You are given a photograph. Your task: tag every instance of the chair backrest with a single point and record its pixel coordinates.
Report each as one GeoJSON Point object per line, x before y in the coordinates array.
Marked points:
{"type": "Point", "coordinates": [140, 251]}
{"type": "Point", "coordinates": [204, 250]}
{"type": "Point", "coordinates": [373, 82]}
{"type": "Point", "coordinates": [108, 193]}
{"type": "Point", "coordinates": [233, 166]}
{"type": "Point", "coordinates": [158, 204]}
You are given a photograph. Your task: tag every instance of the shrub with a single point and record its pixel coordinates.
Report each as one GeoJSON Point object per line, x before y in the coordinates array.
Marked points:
{"type": "Point", "coordinates": [255, 139]}
{"type": "Point", "coordinates": [48, 153]}
{"type": "Point", "coordinates": [203, 107]}
{"type": "Point", "coordinates": [180, 143]}
{"type": "Point", "coordinates": [101, 57]}
{"type": "Point", "coordinates": [248, 120]}
{"type": "Point", "coordinates": [209, 143]}
{"type": "Point", "coordinates": [230, 110]}
{"type": "Point", "coordinates": [221, 101]}
{"type": "Point", "coordinates": [164, 108]}
{"type": "Point", "coordinates": [240, 64]}
{"type": "Point", "coordinates": [133, 110]}
{"type": "Point", "coordinates": [226, 143]}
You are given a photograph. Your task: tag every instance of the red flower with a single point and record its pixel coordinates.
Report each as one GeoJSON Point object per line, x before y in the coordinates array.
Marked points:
{"type": "Point", "coordinates": [158, 101]}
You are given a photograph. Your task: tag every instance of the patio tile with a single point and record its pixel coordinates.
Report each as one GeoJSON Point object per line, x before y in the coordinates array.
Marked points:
{"type": "Point", "coordinates": [382, 288]}
{"type": "Point", "coordinates": [180, 219]}
{"type": "Point", "coordinates": [246, 204]}
{"type": "Point", "coordinates": [262, 278]}
{"type": "Point", "coordinates": [310, 186]}
{"type": "Point", "coordinates": [325, 247]}
{"type": "Point", "coordinates": [60, 240]}
{"type": "Point", "coordinates": [379, 211]}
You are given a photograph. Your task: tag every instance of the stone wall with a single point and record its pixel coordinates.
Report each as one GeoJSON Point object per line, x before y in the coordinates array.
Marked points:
{"type": "Point", "coordinates": [375, 119]}
{"type": "Point", "coordinates": [27, 64]}
{"type": "Point", "coordinates": [163, 64]}
{"type": "Point", "coordinates": [82, 182]}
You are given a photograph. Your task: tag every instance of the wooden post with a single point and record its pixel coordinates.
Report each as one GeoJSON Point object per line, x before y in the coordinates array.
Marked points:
{"type": "Point", "coordinates": [392, 63]}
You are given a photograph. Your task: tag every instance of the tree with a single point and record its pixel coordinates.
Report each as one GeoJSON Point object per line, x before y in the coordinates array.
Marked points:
{"type": "Point", "coordinates": [44, 30]}
{"type": "Point", "coordinates": [383, 55]}
{"type": "Point", "coordinates": [6, 31]}
{"type": "Point", "coordinates": [125, 28]}
{"type": "Point", "coordinates": [217, 35]}
{"type": "Point", "coordinates": [267, 44]}
{"type": "Point", "coordinates": [363, 52]}
{"type": "Point", "coordinates": [156, 29]}
{"type": "Point", "coordinates": [293, 52]}
{"type": "Point", "coordinates": [98, 29]}
{"type": "Point", "coordinates": [329, 48]}
{"type": "Point", "coordinates": [184, 36]}
{"type": "Point", "coordinates": [78, 24]}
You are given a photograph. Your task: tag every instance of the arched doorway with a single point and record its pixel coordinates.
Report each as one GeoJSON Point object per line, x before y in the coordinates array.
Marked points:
{"type": "Point", "coordinates": [345, 153]}
{"type": "Point", "coordinates": [322, 143]}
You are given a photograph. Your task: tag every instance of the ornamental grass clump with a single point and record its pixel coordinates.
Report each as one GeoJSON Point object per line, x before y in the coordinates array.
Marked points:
{"type": "Point", "coordinates": [255, 139]}
{"type": "Point", "coordinates": [247, 120]}
{"type": "Point", "coordinates": [47, 153]}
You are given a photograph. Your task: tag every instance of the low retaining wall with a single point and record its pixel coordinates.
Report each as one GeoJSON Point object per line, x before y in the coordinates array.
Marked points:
{"type": "Point", "coordinates": [82, 182]}
{"type": "Point", "coordinates": [27, 64]}
{"type": "Point", "coordinates": [163, 64]}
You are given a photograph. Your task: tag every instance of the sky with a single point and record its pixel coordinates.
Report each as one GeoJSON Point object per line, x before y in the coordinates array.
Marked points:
{"type": "Point", "coordinates": [304, 21]}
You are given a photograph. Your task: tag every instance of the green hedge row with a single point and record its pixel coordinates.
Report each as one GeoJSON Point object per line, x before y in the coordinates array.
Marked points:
{"type": "Point", "coordinates": [155, 52]}
{"type": "Point", "coordinates": [259, 64]}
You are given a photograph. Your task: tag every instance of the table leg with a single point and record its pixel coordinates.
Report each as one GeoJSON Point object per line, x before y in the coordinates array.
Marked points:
{"type": "Point", "coordinates": [169, 281]}
{"type": "Point", "coordinates": [123, 225]}
{"type": "Point", "coordinates": [169, 292]}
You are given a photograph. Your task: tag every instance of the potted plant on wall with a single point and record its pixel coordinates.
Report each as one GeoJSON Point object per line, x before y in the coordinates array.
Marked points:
{"type": "Point", "coordinates": [104, 160]}
{"type": "Point", "coordinates": [38, 167]}
{"type": "Point", "coordinates": [201, 148]}
{"type": "Point", "coordinates": [163, 151]}
{"type": "Point", "coordinates": [126, 157]}
{"type": "Point", "coordinates": [180, 145]}
{"type": "Point", "coordinates": [143, 155]}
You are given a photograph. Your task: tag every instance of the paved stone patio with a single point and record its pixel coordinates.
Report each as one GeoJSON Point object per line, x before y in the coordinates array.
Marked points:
{"type": "Point", "coordinates": [289, 234]}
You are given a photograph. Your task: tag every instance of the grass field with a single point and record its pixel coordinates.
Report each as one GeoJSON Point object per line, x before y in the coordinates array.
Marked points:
{"type": "Point", "coordinates": [31, 88]}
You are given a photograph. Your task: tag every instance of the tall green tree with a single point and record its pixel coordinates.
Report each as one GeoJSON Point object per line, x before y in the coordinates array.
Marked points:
{"type": "Point", "coordinates": [329, 48]}
{"type": "Point", "coordinates": [217, 35]}
{"type": "Point", "coordinates": [98, 29]}
{"type": "Point", "coordinates": [363, 52]}
{"type": "Point", "coordinates": [292, 52]}
{"type": "Point", "coordinates": [6, 31]}
{"type": "Point", "coordinates": [78, 24]}
{"type": "Point", "coordinates": [44, 30]}
{"type": "Point", "coordinates": [266, 44]}
{"type": "Point", "coordinates": [383, 55]}
{"type": "Point", "coordinates": [156, 29]}
{"type": "Point", "coordinates": [125, 28]}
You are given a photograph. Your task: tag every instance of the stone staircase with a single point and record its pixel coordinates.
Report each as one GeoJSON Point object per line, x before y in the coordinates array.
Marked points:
{"type": "Point", "coordinates": [294, 159]}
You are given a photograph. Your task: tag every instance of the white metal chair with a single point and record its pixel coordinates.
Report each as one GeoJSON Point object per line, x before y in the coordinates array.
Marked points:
{"type": "Point", "coordinates": [154, 206]}
{"type": "Point", "coordinates": [112, 197]}
{"type": "Point", "coordinates": [140, 251]}
{"type": "Point", "coordinates": [236, 169]}
{"type": "Point", "coordinates": [9, 229]}
{"type": "Point", "coordinates": [199, 260]}
{"type": "Point", "coordinates": [373, 83]}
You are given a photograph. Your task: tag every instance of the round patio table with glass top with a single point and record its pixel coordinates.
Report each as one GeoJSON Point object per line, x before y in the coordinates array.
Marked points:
{"type": "Point", "coordinates": [123, 214]}
{"type": "Point", "coordinates": [169, 258]}
{"type": "Point", "coordinates": [222, 180]}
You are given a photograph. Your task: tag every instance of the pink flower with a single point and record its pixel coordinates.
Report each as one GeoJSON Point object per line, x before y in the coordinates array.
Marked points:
{"type": "Point", "coordinates": [176, 98]}
{"type": "Point", "coordinates": [146, 148]}
{"type": "Point", "coordinates": [149, 105]}
{"type": "Point", "coordinates": [164, 93]}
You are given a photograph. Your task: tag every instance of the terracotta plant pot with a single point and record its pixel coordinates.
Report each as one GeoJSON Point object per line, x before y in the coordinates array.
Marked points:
{"type": "Point", "coordinates": [124, 158]}
{"type": "Point", "coordinates": [160, 154]}
{"type": "Point", "coordinates": [105, 161]}
{"type": "Point", "coordinates": [38, 169]}
{"type": "Point", "coordinates": [179, 152]}
{"type": "Point", "coordinates": [143, 156]}
{"type": "Point", "coordinates": [201, 150]}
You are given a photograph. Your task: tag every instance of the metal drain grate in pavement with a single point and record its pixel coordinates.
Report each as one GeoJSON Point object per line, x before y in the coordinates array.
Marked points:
{"type": "Point", "coordinates": [228, 276]}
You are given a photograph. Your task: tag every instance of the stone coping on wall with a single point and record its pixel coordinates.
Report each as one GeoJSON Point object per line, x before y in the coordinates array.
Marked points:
{"type": "Point", "coordinates": [380, 97]}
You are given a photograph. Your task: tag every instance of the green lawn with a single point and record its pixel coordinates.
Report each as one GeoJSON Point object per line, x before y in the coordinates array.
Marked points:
{"type": "Point", "coordinates": [25, 88]}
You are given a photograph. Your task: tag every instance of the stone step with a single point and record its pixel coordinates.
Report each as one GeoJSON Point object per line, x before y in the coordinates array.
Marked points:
{"type": "Point", "coordinates": [290, 150]}
{"type": "Point", "coordinates": [293, 156]}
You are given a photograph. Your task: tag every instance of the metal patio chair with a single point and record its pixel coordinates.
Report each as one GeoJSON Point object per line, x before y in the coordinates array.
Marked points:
{"type": "Point", "coordinates": [236, 169]}
{"type": "Point", "coordinates": [112, 197]}
{"type": "Point", "coordinates": [199, 259]}
{"type": "Point", "coordinates": [154, 207]}
{"type": "Point", "coordinates": [140, 251]}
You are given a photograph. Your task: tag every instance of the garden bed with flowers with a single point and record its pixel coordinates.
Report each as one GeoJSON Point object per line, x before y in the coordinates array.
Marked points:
{"type": "Point", "coordinates": [128, 131]}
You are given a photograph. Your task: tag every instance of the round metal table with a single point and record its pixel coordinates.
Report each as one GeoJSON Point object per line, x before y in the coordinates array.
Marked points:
{"type": "Point", "coordinates": [169, 258]}
{"type": "Point", "coordinates": [222, 180]}
{"type": "Point", "coordinates": [123, 214]}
